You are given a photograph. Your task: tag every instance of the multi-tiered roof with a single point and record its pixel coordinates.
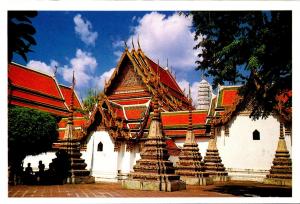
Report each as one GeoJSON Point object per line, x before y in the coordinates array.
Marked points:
{"type": "Point", "coordinates": [34, 89]}
{"type": "Point", "coordinates": [125, 108]}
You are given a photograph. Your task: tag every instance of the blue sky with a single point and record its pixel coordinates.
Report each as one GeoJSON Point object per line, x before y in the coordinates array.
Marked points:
{"type": "Point", "coordinates": [92, 42]}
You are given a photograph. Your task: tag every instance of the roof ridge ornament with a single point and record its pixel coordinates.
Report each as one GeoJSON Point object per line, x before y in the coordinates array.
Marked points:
{"type": "Point", "coordinates": [138, 42]}
{"type": "Point", "coordinates": [132, 43]}
{"type": "Point", "coordinates": [125, 44]}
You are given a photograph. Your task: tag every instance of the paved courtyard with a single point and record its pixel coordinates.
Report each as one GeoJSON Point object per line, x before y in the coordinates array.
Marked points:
{"type": "Point", "coordinates": [105, 190]}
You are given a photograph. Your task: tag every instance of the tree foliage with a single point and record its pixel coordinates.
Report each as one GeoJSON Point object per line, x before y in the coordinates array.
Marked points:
{"type": "Point", "coordinates": [30, 132]}
{"type": "Point", "coordinates": [90, 100]}
{"type": "Point", "coordinates": [249, 48]}
{"type": "Point", "coordinates": [20, 33]}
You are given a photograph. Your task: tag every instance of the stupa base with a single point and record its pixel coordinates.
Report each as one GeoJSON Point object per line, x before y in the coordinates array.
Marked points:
{"type": "Point", "coordinates": [219, 178]}
{"type": "Point", "coordinates": [81, 180]}
{"type": "Point", "coordinates": [278, 181]}
{"type": "Point", "coordinates": [197, 181]}
{"type": "Point", "coordinates": [154, 185]}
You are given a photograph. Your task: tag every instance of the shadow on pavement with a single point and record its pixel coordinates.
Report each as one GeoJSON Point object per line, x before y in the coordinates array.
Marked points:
{"type": "Point", "coordinates": [253, 191]}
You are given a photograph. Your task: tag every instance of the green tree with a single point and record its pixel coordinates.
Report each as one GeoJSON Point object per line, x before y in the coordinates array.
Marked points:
{"type": "Point", "coordinates": [249, 48]}
{"type": "Point", "coordinates": [20, 33]}
{"type": "Point", "coordinates": [30, 132]}
{"type": "Point", "coordinates": [90, 100]}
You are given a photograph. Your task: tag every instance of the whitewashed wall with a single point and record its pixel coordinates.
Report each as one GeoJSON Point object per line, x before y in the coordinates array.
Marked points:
{"type": "Point", "coordinates": [103, 164]}
{"type": "Point", "coordinates": [243, 156]}
{"type": "Point", "coordinates": [108, 165]}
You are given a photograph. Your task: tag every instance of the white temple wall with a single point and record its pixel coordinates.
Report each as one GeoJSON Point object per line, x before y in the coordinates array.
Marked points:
{"type": "Point", "coordinates": [201, 141]}
{"type": "Point", "coordinates": [243, 157]}
{"type": "Point", "coordinates": [103, 164]}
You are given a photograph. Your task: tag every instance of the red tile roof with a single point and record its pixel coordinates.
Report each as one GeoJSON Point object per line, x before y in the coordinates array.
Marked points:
{"type": "Point", "coordinates": [67, 91]}
{"type": "Point", "coordinates": [181, 118]}
{"type": "Point", "coordinates": [33, 89]}
{"type": "Point", "coordinates": [227, 96]}
{"type": "Point", "coordinates": [165, 76]}
{"type": "Point", "coordinates": [33, 80]}
{"type": "Point", "coordinates": [135, 113]}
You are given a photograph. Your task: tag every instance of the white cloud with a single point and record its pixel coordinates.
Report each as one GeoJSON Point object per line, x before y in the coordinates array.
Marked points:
{"type": "Point", "coordinates": [84, 29]}
{"type": "Point", "coordinates": [84, 65]}
{"type": "Point", "coordinates": [42, 66]}
{"type": "Point", "coordinates": [100, 81]}
{"type": "Point", "coordinates": [163, 37]}
{"type": "Point", "coordinates": [184, 85]}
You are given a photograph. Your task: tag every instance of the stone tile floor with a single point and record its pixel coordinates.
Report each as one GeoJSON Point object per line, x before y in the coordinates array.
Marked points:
{"type": "Point", "coordinates": [106, 190]}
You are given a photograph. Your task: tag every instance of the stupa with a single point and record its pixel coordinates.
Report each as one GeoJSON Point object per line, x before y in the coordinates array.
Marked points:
{"type": "Point", "coordinates": [281, 171]}
{"type": "Point", "coordinates": [78, 173]}
{"type": "Point", "coordinates": [212, 160]}
{"type": "Point", "coordinates": [154, 171]}
{"type": "Point", "coordinates": [189, 166]}
{"type": "Point", "coordinates": [204, 95]}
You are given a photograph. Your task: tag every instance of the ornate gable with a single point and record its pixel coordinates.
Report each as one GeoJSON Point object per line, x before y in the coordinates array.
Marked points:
{"type": "Point", "coordinates": [127, 80]}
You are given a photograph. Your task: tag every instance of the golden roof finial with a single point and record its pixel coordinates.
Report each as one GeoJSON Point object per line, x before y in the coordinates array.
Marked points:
{"type": "Point", "coordinates": [125, 44]}
{"type": "Point", "coordinates": [138, 42]}
{"type": "Point", "coordinates": [190, 96]}
{"type": "Point", "coordinates": [167, 62]}
{"type": "Point", "coordinates": [132, 43]}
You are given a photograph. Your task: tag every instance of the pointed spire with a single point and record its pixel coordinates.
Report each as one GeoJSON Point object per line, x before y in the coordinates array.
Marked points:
{"type": "Point", "coordinates": [167, 62]}
{"type": "Point", "coordinates": [138, 42]}
{"type": "Point", "coordinates": [156, 112]}
{"type": "Point", "coordinates": [55, 70]}
{"type": "Point", "coordinates": [190, 95]}
{"type": "Point", "coordinates": [281, 146]}
{"type": "Point", "coordinates": [132, 43]}
{"type": "Point", "coordinates": [190, 127]}
{"type": "Point", "coordinates": [70, 118]}
{"type": "Point", "coordinates": [125, 44]}
{"type": "Point", "coordinates": [281, 170]}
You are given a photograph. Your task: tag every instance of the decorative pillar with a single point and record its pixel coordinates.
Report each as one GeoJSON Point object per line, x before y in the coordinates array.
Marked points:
{"type": "Point", "coordinates": [281, 171]}
{"type": "Point", "coordinates": [212, 161]}
{"type": "Point", "coordinates": [154, 171]}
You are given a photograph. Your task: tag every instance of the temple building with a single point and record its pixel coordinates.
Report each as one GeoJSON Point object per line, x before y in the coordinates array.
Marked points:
{"type": "Point", "coordinates": [113, 136]}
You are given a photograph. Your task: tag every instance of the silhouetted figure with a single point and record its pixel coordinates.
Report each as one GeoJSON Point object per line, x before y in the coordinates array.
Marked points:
{"type": "Point", "coordinates": [28, 175]}
{"type": "Point", "coordinates": [41, 173]}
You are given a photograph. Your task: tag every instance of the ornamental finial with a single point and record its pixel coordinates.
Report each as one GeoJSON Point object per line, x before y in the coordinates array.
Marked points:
{"type": "Point", "coordinates": [132, 43]}
{"type": "Point", "coordinates": [138, 42]}
{"type": "Point", "coordinates": [125, 44]}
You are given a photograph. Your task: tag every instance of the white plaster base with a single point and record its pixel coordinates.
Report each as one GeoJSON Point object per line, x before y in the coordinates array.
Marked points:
{"type": "Point", "coordinates": [247, 174]}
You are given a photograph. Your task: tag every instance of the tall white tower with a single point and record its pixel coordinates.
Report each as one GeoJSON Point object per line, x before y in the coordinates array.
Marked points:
{"type": "Point", "coordinates": [204, 95]}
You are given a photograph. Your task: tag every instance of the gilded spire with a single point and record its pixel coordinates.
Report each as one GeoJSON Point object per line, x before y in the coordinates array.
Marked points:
{"type": "Point", "coordinates": [138, 42]}
{"type": "Point", "coordinates": [281, 136]}
{"type": "Point", "coordinates": [70, 118]}
{"type": "Point", "coordinates": [125, 44]}
{"type": "Point", "coordinates": [132, 43]}
{"type": "Point", "coordinates": [212, 130]}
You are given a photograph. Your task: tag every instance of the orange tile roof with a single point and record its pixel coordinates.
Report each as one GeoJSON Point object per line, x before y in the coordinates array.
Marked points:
{"type": "Point", "coordinates": [181, 118]}
{"type": "Point", "coordinates": [67, 91]}
{"type": "Point", "coordinates": [33, 89]}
